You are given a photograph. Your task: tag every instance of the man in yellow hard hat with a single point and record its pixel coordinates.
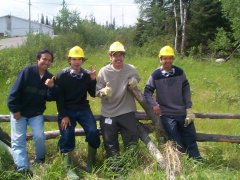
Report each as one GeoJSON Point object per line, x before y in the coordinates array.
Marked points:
{"type": "Point", "coordinates": [173, 103]}
{"type": "Point", "coordinates": [74, 83]}
{"type": "Point", "coordinates": [118, 104]}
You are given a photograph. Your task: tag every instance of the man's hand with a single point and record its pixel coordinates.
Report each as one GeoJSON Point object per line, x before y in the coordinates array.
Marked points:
{"type": "Point", "coordinates": [132, 82]}
{"type": "Point", "coordinates": [189, 117]}
{"type": "Point", "coordinates": [107, 91]}
{"type": "Point", "coordinates": [93, 73]}
{"type": "Point", "coordinates": [17, 115]}
{"type": "Point", "coordinates": [50, 82]}
{"type": "Point", "coordinates": [65, 122]}
{"type": "Point", "coordinates": [157, 110]}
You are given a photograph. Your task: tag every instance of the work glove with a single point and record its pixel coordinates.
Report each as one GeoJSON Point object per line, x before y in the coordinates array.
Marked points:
{"type": "Point", "coordinates": [132, 82]}
{"type": "Point", "coordinates": [107, 91]}
{"type": "Point", "coordinates": [190, 117]}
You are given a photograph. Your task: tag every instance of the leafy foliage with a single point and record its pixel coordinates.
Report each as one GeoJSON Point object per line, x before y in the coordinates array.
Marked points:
{"type": "Point", "coordinates": [231, 10]}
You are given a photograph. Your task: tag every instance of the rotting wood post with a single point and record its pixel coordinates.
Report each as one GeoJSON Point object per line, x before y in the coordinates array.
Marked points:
{"type": "Point", "coordinates": [4, 137]}
{"type": "Point", "coordinates": [151, 146]}
{"type": "Point", "coordinates": [201, 137]}
{"type": "Point", "coordinates": [149, 111]}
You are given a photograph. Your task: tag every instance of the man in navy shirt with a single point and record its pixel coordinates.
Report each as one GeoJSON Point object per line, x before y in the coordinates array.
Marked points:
{"type": "Point", "coordinates": [26, 102]}
{"type": "Point", "coordinates": [74, 82]}
{"type": "Point", "coordinates": [173, 103]}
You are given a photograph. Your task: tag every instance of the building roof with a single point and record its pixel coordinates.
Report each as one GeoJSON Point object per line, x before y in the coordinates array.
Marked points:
{"type": "Point", "coordinates": [25, 20]}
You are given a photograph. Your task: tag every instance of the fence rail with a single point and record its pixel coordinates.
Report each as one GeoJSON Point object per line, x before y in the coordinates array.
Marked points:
{"type": "Point", "coordinates": [140, 115]}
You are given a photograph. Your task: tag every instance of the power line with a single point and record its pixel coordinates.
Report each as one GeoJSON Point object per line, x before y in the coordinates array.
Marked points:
{"type": "Point", "coordinates": [78, 4]}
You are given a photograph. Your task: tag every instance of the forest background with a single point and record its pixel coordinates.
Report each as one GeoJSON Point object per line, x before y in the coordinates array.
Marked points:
{"type": "Point", "coordinates": [200, 31]}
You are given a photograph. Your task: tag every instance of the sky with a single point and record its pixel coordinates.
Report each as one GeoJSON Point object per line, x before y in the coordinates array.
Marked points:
{"type": "Point", "coordinates": [125, 12]}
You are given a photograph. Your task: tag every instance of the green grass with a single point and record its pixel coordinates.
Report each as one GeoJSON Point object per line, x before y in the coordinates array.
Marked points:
{"type": "Point", "coordinates": [215, 89]}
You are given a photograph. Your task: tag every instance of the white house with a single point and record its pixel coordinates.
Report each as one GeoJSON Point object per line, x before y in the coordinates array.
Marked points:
{"type": "Point", "coordinates": [15, 26]}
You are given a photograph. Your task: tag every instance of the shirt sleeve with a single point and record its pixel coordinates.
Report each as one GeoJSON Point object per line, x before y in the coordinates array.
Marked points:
{"type": "Point", "coordinates": [92, 88]}
{"type": "Point", "coordinates": [149, 91]}
{"type": "Point", "coordinates": [60, 98]}
{"type": "Point", "coordinates": [186, 92]}
{"type": "Point", "coordinates": [101, 83]}
{"type": "Point", "coordinates": [13, 101]}
{"type": "Point", "coordinates": [52, 93]}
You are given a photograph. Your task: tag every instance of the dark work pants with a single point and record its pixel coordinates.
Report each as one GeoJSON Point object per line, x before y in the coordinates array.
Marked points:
{"type": "Point", "coordinates": [185, 137]}
{"type": "Point", "coordinates": [86, 119]}
{"type": "Point", "coordinates": [126, 124]}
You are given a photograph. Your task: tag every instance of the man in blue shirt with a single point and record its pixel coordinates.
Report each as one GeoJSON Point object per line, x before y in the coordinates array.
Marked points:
{"type": "Point", "coordinates": [26, 102]}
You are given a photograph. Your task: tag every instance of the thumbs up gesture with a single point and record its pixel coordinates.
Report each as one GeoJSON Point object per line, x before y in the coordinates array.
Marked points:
{"type": "Point", "coordinates": [107, 91]}
{"type": "Point", "coordinates": [50, 82]}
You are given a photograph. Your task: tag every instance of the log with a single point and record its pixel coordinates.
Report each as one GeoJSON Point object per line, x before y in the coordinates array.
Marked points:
{"type": "Point", "coordinates": [217, 116]}
{"type": "Point", "coordinates": [151, 146]}
{"type": "Point", "coordinates": [140, 115]}
{"type": "Point", "coordinates": [148, 109]}
{"type": "Point", "coordinates": [56, 134]}
{"type": "Point", "coordinates": [4, 137]}
{"type": "Point", "coordinates": [6, 147]}
{"type": "Point", "coordinates": [201, 137]}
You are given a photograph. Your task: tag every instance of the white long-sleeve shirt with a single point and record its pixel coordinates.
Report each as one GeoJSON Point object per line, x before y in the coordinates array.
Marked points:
{"type": "Point", "coordinates": [122, 101]}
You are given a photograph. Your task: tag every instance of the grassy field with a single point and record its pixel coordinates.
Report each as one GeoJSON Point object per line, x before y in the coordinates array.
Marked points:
{"type": "Point", "coordinates": [215, 89]}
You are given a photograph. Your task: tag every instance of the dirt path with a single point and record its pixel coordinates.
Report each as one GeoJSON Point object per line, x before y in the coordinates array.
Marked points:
{"type": "Point", "coordinates": [12, 42]}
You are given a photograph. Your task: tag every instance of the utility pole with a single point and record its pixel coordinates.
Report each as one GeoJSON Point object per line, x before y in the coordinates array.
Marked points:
{"type": "Point", "coordinates": [29, 16]}
{"type": "Point", "coordinates": [111, 14]}
{"type": "Point", "coordinates": [122, 16]}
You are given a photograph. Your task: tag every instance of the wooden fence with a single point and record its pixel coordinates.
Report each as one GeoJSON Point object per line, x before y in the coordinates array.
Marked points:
{"type": "Point", "coordinates": [141, 115]}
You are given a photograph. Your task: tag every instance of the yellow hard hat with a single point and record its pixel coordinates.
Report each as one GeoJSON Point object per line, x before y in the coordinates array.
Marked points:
{"type": "Point", "coordinates": [76, 51]}
{"type": "Point", "coordinates": [166, 51]}
{"type": "Point", "coordinates": [116, 46]}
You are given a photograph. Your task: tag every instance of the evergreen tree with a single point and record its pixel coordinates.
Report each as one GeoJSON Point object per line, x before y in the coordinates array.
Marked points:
{"type": "Point", "coordinates": [47, 23]}
{"type": "Point", "coordinates": [42, 19]}
{"type": "Point", "coordinates": [204, 19]}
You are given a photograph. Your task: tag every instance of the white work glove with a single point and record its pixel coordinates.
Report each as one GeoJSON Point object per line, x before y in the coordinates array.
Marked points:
{"type": "Point", "coordinates": [107, 91]}
{"type": "Point", "coordinates": [190, 117]}
{"type": "Point", "coordinates": [132, 82]}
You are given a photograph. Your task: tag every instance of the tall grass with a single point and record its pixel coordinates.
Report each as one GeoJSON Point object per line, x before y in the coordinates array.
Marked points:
{"type": "Point", "coordinates": [215, 89]}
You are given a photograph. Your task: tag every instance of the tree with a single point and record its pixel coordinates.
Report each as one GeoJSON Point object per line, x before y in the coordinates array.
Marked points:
{"type": "Point", "coordinates": [205, 16]}
{"type": "Point", "coordinates": [47, 23]}
{"type": "Point", "coordinates": [66, 20]}
{"type": "Point", "coordinates": [156, 19]}
{"type": "Point", "coordinates": [231, 10]}
{"type": "Point", "coordinates": [42, 19]}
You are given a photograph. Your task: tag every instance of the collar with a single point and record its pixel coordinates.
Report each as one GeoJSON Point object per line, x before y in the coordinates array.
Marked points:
{"type": "Point", "coordinates": [167, 73]}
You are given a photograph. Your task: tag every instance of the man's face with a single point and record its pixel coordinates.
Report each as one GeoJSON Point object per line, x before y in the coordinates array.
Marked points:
{"type": "Point", "coordinates": [44, 62]}
{"type": "Point", "coordinates": [117, 60]}
{"type": "Point", "coordinates": [167, 62]}
{"type": "Point", "coordinates": [76, 63]}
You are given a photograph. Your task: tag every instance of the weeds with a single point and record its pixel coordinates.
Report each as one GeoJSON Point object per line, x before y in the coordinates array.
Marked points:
{"type": "Point", "coordinates": [215, 89]}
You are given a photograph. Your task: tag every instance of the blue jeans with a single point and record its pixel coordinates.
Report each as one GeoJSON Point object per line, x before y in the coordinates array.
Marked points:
{"type": "Point", "coordinates": [185, 137]}
{"type": "Point", "coordinates": [18, 139]}
{"type": "Point", "coordinates": [86, 119]}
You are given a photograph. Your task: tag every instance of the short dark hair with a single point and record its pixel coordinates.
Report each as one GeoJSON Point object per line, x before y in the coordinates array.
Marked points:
{"type": "Point", "coordinates": [42, 51]}
{"type": "Point", "coordinates": [69, 60]}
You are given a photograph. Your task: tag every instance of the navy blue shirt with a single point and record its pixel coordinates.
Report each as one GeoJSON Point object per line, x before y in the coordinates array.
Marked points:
{"type": "Point", "coordinates": [72, 91]}
{"type": "Point", "coordinates": [29, 92]}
